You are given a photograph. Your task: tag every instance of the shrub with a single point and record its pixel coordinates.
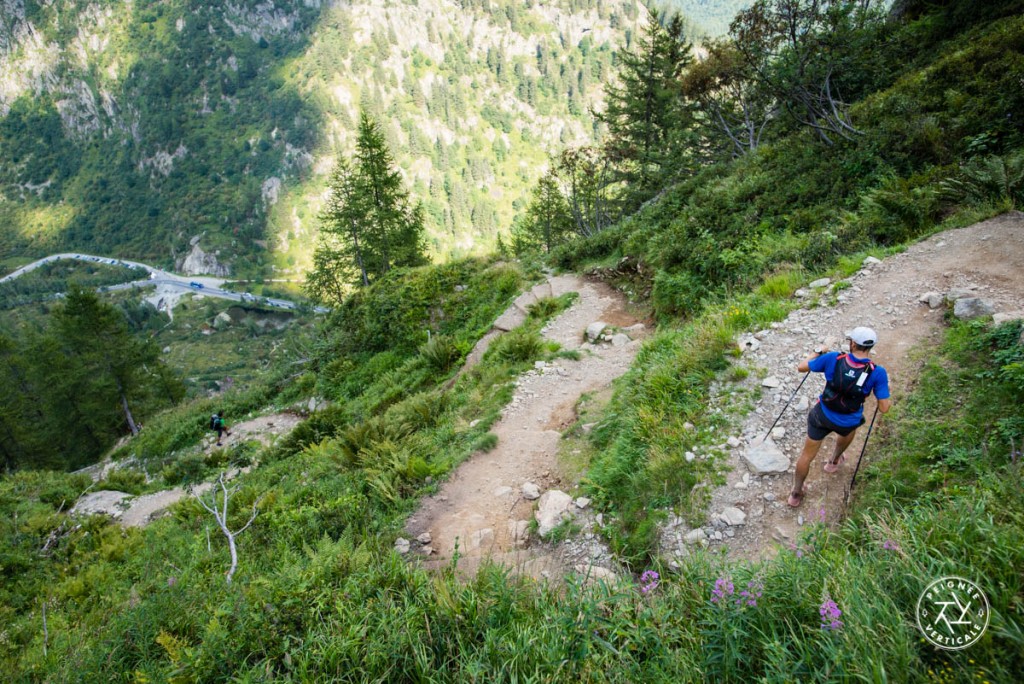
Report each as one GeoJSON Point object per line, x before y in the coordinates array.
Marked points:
{"type": "Point", "coordinates": [440, 353]}
{"type": "Point", "coordinates": [518, 346]}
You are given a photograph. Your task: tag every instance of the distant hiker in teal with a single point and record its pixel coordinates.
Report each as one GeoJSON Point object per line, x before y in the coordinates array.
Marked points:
{"type": "Point", "coordinates": [849, 379]}
{"type": "Point", "coordinates": [217, 425]}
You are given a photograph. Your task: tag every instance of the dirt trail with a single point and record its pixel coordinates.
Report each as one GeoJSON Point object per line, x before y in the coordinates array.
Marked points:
{"type": "Point", "coordinates": [479, 506]}
{"type": "Point", "coordinates": [987, 259]}
{"type": "Point", "coordinates": [139, 511]}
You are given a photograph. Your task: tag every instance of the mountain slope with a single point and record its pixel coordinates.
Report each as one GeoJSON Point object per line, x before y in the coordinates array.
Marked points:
{"type": "Point", "coordinates": [132, 128]}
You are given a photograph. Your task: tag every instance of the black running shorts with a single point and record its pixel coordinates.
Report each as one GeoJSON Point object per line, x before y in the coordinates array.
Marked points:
{"type": "Point", "coordinates": [818, 425]}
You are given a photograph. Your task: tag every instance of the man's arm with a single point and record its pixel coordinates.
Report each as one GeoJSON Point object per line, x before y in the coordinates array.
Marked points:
{"type": "Point", "coordinates": [805, 365]}
{"type": "Point", "coordinates": [884, 405]}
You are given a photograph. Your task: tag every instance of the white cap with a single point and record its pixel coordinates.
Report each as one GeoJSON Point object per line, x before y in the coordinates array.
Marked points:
{"type": "Point", "coordinates": [863, 337]}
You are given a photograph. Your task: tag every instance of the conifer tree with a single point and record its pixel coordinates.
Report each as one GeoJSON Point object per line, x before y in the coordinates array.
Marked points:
{"type": "Point", "coordinates": [645, 113]}
{"type": "Point", "coordinates": [368, 225]}
{"type": "Point", "coordinates": [547, 222]}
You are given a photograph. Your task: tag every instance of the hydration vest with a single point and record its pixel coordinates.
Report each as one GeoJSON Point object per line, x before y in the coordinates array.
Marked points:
{"type": "Point", "coordinates": [844, 393]}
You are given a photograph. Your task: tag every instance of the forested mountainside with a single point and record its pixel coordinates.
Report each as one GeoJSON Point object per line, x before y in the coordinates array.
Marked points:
{"type": "Point", "coordinates": [709, 17]}
{"type": "Point", "coordinates": [130, 127]}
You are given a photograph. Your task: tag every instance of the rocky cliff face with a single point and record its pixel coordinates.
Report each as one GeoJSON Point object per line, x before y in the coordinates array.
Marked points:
{"type": "Point", "coordinates": [142, 119]}
{"type": "Point", "coordinates": [198, 262]}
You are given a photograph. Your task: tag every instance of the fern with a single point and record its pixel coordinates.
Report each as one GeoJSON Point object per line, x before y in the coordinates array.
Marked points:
{"type": "Point", "coordinates": [992, 178]}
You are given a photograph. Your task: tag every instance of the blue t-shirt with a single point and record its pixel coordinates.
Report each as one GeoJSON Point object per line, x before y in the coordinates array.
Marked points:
{"type": "Point", "coordinates": [878, 382]}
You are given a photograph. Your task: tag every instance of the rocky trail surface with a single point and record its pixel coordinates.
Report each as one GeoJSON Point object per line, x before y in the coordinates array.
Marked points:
{"type": "Point", "coordinates": [139, 511]}
{"type": "Point", "coordinates": [974, 271]}
{"type": "Point", "coordinates": [486, 506]}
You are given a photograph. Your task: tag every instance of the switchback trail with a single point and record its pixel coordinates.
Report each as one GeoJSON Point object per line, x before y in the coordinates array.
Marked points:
{"type": "Point", "coordinates": [983, 261]}
{"type": "Point", "coordinates": [481, 507]}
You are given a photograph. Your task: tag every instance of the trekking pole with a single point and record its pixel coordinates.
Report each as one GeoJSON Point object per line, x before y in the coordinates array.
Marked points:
{"type": "Point", "coordinates": [853, 480]}
{"type": "Point", "coordinates": [786, 406]}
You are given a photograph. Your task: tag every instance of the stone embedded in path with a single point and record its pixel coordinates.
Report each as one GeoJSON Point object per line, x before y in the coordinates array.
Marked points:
{"type": "Point", "coordinates": [519, 531]}
{"type": "Point", "coordinates": [402, 545]}
{"type": "Point", "coordinates": [530, 491]}
{"type": "Point", "coordinates": [553, 508]}
{"type": "Point", "coordinates": [733, 442]}
{"type": "Point", "coordinates": [620, 340]}
{"type": "Point", "coordinates": [582, 502]}
{"type": "Point", "coordinates": [778, 432]}
{"type": "Point", "coordinates": [958, 293]}
{"type": "Point", "coordinates": [481, 538]}
{"type": "Point", "coordinates": [972, 307]}
{"type": "Point", "coordinates": [593, 574]}
{"type": "Point", "coordinates": [820, 282]}
{"type": "Point", "coordinates": [771, 382]}
{"type": "Point", "coordinates": [1001, 317]}
{"type": "Point", "coordinates": [504, 491]}
{"type": "Point", "coordinates": [766, 457]}
{"type": "Point", "coordinates": [871, 261]}
{"type": "Point", "coordinates": [733, 516]}
{"type": "Point", "coordinates": [424, 538]}
{"type": "Point", "coordinates": [695, 536]}
{"type": "Point", "coordinates": [802, 404]}
{"type": "Point", "coordinates": [595, 329]}
{"type": "Point", "coordinates": [932, 299]}
{"type": "Point", "coordinates": [748, 343]}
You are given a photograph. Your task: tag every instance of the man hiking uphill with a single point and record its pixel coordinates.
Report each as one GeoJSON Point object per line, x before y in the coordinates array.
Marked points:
{"type": "Point", "coordinates": [217, 425]}
{"type": "Point", "coordinates": [849, 379]}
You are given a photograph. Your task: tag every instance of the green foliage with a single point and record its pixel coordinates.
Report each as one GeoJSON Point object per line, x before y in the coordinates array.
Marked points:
{"type": "Point", "coordinates": [518, 346]}
{"type": "Point", "coordinates": [369, 224]}
{"type": "Point", "coordinates": [57, 277]}
{"type": "Point", "coordinates": [440, 353]}
{"type": "Point", "coordinates": [990, 179]}
{"type": "Point", "coordinates": [69, 392]}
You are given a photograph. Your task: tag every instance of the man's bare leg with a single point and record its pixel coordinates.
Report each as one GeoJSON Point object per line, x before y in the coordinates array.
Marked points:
{"type": "Point", "coordinates": [841, 444]}
{"type": "Point", "coordinates": [803, 465]}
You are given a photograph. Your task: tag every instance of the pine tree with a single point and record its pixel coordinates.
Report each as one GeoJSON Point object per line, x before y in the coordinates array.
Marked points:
{"type": "Point", "coordinates": [368, 224]}
{"type": "Point", "coordinates": [107, 362]}
{"type": "Point", "coordinates": [645, 113]}
{"type": "Point", "coordinates": [547, 222]}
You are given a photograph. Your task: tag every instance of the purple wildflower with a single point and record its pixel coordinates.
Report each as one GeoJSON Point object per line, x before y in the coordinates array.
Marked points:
{"type": "Point", "coordinates": [171, 581]}
{"type": "Point", "coordinates": [648, 581]}
{"type": "Point", "coordinates": [723, 589]}
{"type": "Point", "coordinates": [890, 545]}
{"type": "Point", "coordinates": [821, 514]}
{"type": "Point", "coordinates": [830, 613]}
{"type": "Point", "coordinates": [750, 595]}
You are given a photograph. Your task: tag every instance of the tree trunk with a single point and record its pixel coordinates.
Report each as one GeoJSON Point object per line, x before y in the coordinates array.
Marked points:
{"type": "Point", "coordinates": [128, 415]}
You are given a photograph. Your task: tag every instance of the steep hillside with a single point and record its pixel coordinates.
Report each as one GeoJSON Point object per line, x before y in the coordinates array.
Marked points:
{"type": "Point", "coordinates": [132, 128]}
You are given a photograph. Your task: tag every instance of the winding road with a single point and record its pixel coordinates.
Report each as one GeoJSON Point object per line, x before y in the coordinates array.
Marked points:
{"type": "Point", "coordinates": [209, 287]}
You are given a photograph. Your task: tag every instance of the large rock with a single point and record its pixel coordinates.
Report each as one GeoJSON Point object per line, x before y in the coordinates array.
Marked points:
{"type": "Point", "coordinates": [765, 457]}
{"type": "Point", "coordinates": [104, 501]}
{"type": "Point", "coordinates": [1001, 317]}
{"type": "Point", "coordinates": [199, 262]}
{"type": "Point", "coordinates": [820, 282]}
{"type": "Point", "coordinates": [932, 299]}
{"type": "Point", "coordinates": [553, 509]}
{"type": "Point", "coordinates": [972, 307]}
{"type": "Point", "coordinates": [595, 329]}
{"type": "Point", "coordinates": [733, 516]}
{"type": "Point", "coordinates": [530, 491]}
{"type": "Point", "coordinates": [958, 293]}
{"type": "Point", "coordinates": [771, 382]}
{"type": "Point", "coordinates": [402, 545]}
